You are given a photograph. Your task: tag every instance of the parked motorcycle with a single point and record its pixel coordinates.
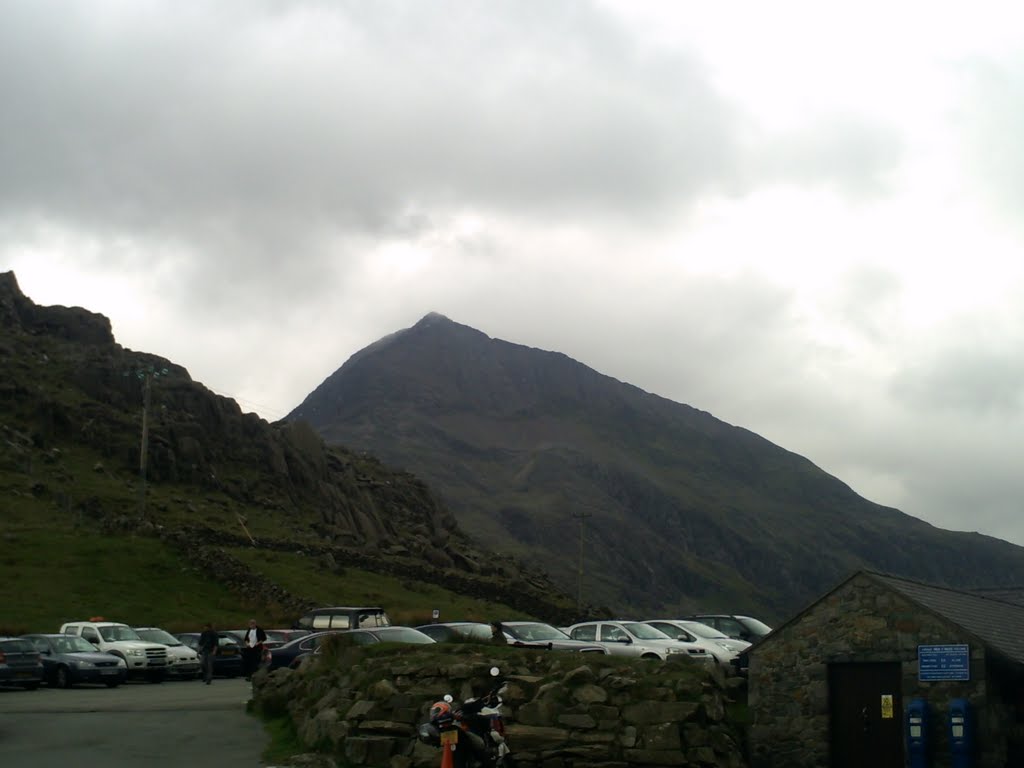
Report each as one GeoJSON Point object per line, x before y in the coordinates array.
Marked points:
{"type": "Point", "coordinates": [471, 735]}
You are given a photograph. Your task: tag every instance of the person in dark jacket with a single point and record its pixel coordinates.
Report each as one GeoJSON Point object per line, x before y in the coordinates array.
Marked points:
{"type": "Point", "coordinates": [498, 634]}
{"type": "Point", "coordinates": [252, 648]}
{"type": "Point", "coordinates": [209, 645]}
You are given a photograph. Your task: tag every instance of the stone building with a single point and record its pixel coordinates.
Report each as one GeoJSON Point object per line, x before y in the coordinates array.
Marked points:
{"type": "Point", "coordinates": [832, 686]}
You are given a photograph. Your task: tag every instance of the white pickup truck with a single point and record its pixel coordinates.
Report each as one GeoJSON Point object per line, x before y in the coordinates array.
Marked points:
{"type": "Point", "coordinates": [144, 659]}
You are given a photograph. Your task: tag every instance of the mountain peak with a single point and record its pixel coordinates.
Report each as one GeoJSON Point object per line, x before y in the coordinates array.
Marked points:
{"type": "Point", "coordinates": [432, 318]}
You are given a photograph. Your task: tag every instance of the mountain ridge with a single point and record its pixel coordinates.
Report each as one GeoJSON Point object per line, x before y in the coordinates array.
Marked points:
{"type": "Point", "coordinates": [689, 512]}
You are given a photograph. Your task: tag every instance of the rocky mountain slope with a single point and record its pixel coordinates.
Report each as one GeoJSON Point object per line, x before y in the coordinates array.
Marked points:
{"type": "Point", "coordinates": [679, 510]}
{"type": "Point", "coordinates": [72, 404]}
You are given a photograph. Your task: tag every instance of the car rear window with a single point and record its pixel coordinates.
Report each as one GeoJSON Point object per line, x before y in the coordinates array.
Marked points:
{"type": "Point", "coordinates": [16, 646]}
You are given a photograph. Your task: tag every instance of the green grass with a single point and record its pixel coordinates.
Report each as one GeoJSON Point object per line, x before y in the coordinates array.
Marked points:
{"type": "Point", "coordinates": [55, 576]}
{"type": "Point", "coordinates": [283, 740]}
{"type": "Point", "coordinates": [406, 602]}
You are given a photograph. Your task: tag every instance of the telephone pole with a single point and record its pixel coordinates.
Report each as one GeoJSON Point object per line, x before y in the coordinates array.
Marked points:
{"type": "Point", "coordinates": [146, 375]}
{"type": "Point", "coordinates": [581, 516]}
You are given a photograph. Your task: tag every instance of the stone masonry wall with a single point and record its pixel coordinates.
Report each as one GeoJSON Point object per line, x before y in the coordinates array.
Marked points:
{"type": "Point", "coordinates": [361, 707]}
{"type": "Point", "coordinates": [862, 621]}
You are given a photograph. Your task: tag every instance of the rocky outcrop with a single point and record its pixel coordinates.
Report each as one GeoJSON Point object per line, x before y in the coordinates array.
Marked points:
{"type": "Point", "coordinates": [361, 707]}
{"type": "Point", "coordinates": [68, 323]}
{"type": "Point", "coordinates": [72, 398]}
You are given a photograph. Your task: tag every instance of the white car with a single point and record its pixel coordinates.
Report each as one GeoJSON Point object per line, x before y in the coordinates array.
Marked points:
{"type": "Point", "coordinates": [142, 658]}
{"type": "Point", "coordinates": [634, 638]}
{"type": "Point", "coordinates": [723, 648]}
{"type": "Point", "coordinates": [182, 661]}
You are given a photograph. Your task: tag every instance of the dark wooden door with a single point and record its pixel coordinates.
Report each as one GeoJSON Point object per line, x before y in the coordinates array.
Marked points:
{"type": "Point", "coordinates": [865, 715]}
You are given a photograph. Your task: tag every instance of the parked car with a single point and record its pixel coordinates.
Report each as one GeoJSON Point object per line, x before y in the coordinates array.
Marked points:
{"type": "Point", "coordinates": [282, 636]}
{"type": "Point", "coordinates": [733, 625]}
{"type": "Point", "coordinates": [228, 661]}
{"type": "Point", "coordinates": [403, 635]}
{"type": "Point", "coordinates": [182, 661]}
{"type": "Point", "coordinates": [343, 617]}
{"type": "Point", "coordinates": [144, 659]}
{"type": "Point", "coordinates": [457, 632]}
{"type": "Point", "coordinates": [536, 633]}
{"type": "Point", "coordinates": [69, 659]}
{"type": "Point", "coordinates": [275, 637]}
{"type": "Point", "coordinates": [20, 663]}
{"type": "Point", "coordinates": [633, 638]}
{"type": "Point", "coordinates": [284, 655]}
{"type": "Point", "coordinates": [693, 634]}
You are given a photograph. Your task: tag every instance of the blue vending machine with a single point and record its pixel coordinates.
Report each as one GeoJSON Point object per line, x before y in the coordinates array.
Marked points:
{"type": "Point", "coordinates": [917, 733]}
{"type": "Point", "coordinates": [961, 734]}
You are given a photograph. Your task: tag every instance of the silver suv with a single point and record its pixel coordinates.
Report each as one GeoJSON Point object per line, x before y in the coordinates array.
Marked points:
{"type": "Point", "coordinates": [632, 638]}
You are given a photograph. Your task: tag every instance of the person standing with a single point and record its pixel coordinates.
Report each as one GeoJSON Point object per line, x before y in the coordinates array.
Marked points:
{"type": "Point", "coordinates": [252, 650]}
{"type": "Point", "coordinates": [498, 634]}
{"type": "Point", "coordinates": [209, 645]}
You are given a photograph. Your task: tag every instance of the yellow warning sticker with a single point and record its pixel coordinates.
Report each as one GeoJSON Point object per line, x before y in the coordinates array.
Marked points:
{"type": "Point", "coordinates": [887, 706]}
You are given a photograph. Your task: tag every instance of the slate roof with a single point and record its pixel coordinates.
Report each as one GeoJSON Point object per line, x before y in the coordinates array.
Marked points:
{"type": "Point", "coordinates": [994, 616]}
{"type": "Point", "coordinates": [997, 623]}
{"type": "Point", "coordinates": [1006, 594]}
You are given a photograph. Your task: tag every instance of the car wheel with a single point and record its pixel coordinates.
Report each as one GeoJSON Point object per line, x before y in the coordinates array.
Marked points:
{"type": "Point", "coordinates": [63, 677]}
{"type": "Point", "coordinates": [155, 677]}
{"type": "Point", "coordinates": [651, 656]}
{"type": "Point", "coordinates": [30, 686]}
{"type": "Point", "coordinates": [112, 683]}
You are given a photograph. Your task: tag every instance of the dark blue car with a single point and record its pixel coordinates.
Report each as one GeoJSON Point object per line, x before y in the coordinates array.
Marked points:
{"type": "Point", "coordinates": [19, 663]}
{"type": "Point", "coordinates": [69, 659]}
{"type": "Point", "coordinates": [228, 661]}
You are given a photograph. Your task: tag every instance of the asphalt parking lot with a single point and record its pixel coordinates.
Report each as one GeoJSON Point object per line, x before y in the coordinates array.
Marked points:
{"type": "Point", "coordinates": [170, 724]}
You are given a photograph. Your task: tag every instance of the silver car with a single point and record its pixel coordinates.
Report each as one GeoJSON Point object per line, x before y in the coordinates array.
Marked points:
{"type": "Point", "coordinates": [634, 638]}
{"type": "Point", "coordinates": [693, 634]}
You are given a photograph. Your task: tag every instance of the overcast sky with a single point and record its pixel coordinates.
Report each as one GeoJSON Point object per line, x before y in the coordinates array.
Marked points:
{"type": "Point", "coordinates": [805, 218]}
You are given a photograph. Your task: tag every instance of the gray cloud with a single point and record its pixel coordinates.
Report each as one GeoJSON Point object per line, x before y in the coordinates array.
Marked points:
{"type": "Point", "coordinates": [247, 160]}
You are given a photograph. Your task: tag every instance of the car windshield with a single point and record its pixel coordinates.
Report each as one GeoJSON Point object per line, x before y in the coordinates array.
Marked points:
{"type": "Point", "coordinates": [402, 635]}
{"type": "Point", "coordinates": [534, 632]}
{"type": "Point", "coordinates": [73, 644]}
{"type": "Point", "coordinates": [115, 634]}
{"type": "Point", "coordinates": [644, 632]}
{"type": "Point", "coordinates": [756, 627]}
{"type": "Point", "coordinates": [703, 630]}
{"type": "Point", "coordinates": [159, 636]}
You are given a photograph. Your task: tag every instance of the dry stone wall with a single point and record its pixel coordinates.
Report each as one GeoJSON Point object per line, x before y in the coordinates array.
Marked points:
{"type": "Point", "coordinates": [356, 707]}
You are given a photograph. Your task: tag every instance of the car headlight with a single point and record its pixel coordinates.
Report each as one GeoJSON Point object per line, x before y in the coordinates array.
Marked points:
{"type": "Point", "coordinates": [82, 664]}
{"type": "Point", "coordinates": [728, 646]}
{"type": "Point", "coordinates": [136, 652]}
{"type": "Point", "coordinates": [677, 650]}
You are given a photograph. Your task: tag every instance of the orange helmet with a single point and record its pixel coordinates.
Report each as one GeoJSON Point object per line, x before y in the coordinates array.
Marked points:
{"type": "Point", "coordinates": [440, 709]}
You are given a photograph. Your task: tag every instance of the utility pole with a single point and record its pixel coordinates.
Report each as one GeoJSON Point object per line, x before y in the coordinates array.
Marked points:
{"type": "Point", "coordinates": [581, 516]}
{"type": "Point", "coordinates": [146, 375]}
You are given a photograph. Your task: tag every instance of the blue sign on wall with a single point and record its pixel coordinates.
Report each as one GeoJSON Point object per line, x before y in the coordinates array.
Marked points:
{"type": "Point", "coordinates": [943, 662]}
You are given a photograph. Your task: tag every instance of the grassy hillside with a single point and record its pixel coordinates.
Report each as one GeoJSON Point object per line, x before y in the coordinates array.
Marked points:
{"type": "Point", "coordinates": [234, 517]}
{"type": "Point", "coordinates": [58, 571]}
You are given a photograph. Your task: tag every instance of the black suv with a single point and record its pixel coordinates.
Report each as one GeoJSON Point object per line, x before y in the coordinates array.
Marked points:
{"type": "Point", "coordinates": [343, 617]}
